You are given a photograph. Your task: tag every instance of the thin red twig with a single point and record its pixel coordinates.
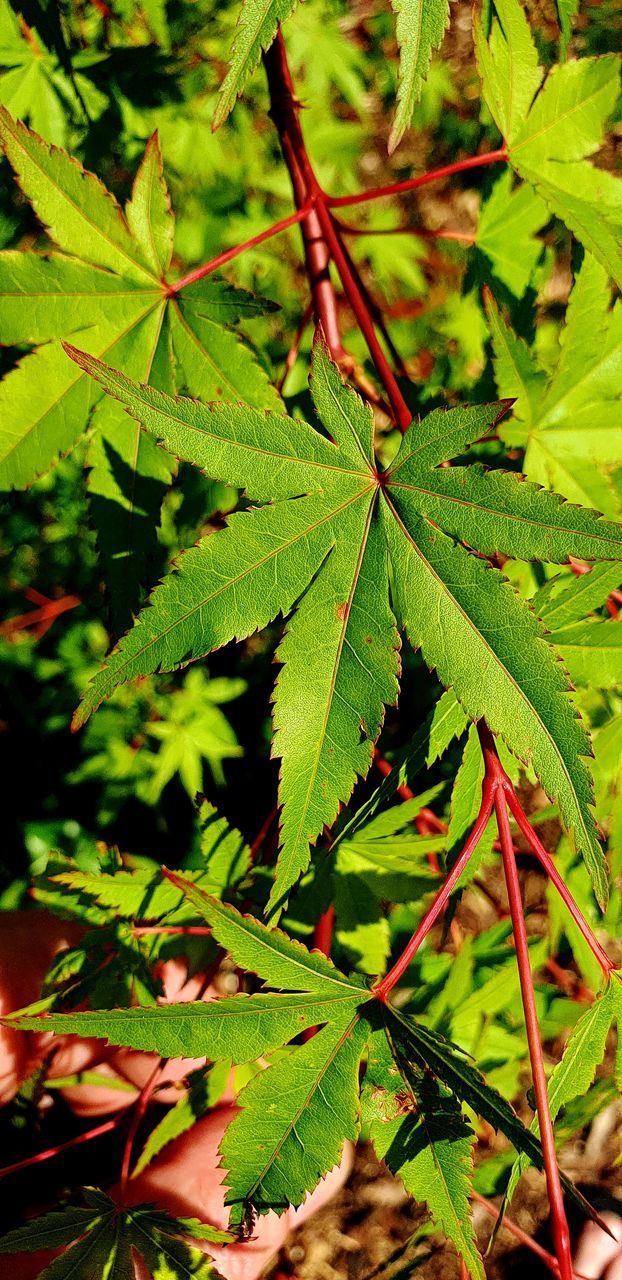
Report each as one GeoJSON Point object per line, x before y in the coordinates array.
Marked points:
{"type": "Point", "coordinates": [375, 310]}
{"type": "Point", "coordinates": [307, 193]}
{"type": "Point", "coordinates": [561, 1234]}
{"type": "Point", "coordinates": [142, 1102]}
{"type": "Point", "coordinates": [323, 931]}
{"type": "Point", "coordinates": [292, 354]}
{"type": "Point", "coordinates": [189, 930]}
{"type": "Point", "coordinates": [383, 988]}
{"type": "Point", "coordinates": [263, 833]}
{"type": "Point", "coordinates": [421, 233]}
{"type": "Point", "coordinates": [403, 415]}
{"type": "Point", "coordinates": [548, 865]}
{"type": "Point", "coordinates": [39, 619]}
{"type": "Point", "coordinates": [411, 184]}
{"type": "Point", "coordinates": [518, 1233]}
{"type": "Point", "coordinates": [219, 261]}
{"type": "Point", "coordinates": [51, 1152]}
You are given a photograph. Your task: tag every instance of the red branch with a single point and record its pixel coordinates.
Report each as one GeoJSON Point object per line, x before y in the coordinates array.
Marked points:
{"type": "Point", "coordinates": [321, 237]}
{"type": "Point", "coordinates": [307, 193]}
{"type": "Point", "coordinates": [51, 1152]}
{"type": "Point", "coordinates": [561, 1234]}
{"type": "Point", "coordinates": [229, 254]}
{"type": "Point", "coordinates": [142, 1102]}
{"type": "Point", "coordinates": [498, 793]}
{"type": "Point", "coordinates": [411, 184]}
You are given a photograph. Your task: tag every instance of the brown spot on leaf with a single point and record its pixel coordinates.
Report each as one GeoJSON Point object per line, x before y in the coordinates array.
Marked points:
{"type": "Point", "coordinates": [343, 611]}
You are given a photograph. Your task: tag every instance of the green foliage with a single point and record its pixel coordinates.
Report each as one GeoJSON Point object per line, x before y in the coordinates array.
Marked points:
{"type": "Point", "coordinates": [285, 1106]}
{"type": "Point", "coordinates": [578, 401]}
{"type": "Point", "coordinates": [420, 26]}
{"type": "Point", "coordinates": [551, 129]}
{"type": "Point", "coordinates": [103, 1236]}
{"type": "Point", "coordinates": [266, 558]}
{"type": "Point", "coordinates": [301, 527]}
{"type": "Point", "coordinates": [115, 292]}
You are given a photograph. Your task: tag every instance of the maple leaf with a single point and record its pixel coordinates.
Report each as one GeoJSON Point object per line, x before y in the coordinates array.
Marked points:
{"type": "Point", "coordinates": [551, 128]}
{"type": "Point", "coordinates": [109, 284]}
{"type": "Point", "coordinates": [321, 542]}
{"type": "Point", "coordinates": [555, 415]}
{"type": "Point", "coordinates": [100, 1240]}
{"type": "Point", "coordinates": [418, 1129]}
{"type": "Point", "coordinates": [295, 1115]}
{"type": "Point", "coordinates": [506, 229]}
{"type": "Point", "coordinates": [420, 27]}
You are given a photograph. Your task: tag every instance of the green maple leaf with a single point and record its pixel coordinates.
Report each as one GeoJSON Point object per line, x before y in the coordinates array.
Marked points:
{"type": "Point", "coordinates": [555, 416]}
{"type": "Point", "coordinates": [295, 1115]}
{"type": "Point", "coordinates": [591, 647]}
{"type": "Point", "coordinates": [420, 27]}
{"type": "Point", "coordinates": [506, 229]}
{"type": "Point", "coordinates": [100, 1240]}
{"type": "Point", "coordinates": [551, 130]}
{"type": "Point", "coordinates": [221, 861]}
{"type": "Point", "coordinates": [418, 1129]}
{"type": "Point", "coordinates": [109, 285]}
{"type": "Point", "coordinates": [330, 523]}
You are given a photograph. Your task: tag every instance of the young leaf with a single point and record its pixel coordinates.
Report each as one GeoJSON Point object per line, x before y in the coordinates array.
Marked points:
{"type": "Point", "coordinates": [102, 1238]}
{"type": "Point", "coordinates": [296, 1114]}
{"type": "Point", "coordinates": [579, 402]}
{"type": "Point", "coordinates": [294, 1118]}
{"type": "Point", "coordinates": [506, 231]}
{"type": "Point", "coordinates": [257, 26]}
{"type": "Point", "coordinates": [559, 603]}
{"type": "Point", "coordinates": [592, 653]}
{"type": "Point", "coordinates": [551, 133]}
{"type": "Point", "coordinates": [420, 27]}
{"type": "Point", "coordinates": [445, 722]}
{"type": "Point", "coordinates": [109, 285]}
{"type": "Point", "coordinates": [205, 1090]}
{"type": "Point", "coordinates": [51, 1231]}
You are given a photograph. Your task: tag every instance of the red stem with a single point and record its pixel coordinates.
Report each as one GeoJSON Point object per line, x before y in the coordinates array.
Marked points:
{"type": "Point", "coordinates": [423, 233]}
{"type": "Point", "coordinates": [403, 415]}
{"type": "Point", "coordinates": [547, 863]}
{"type": "Point", "coordinates": [190, 930]}
{"type": "Point", "coordinates": [518, 1233]}
{"type": "Point", "coordinates": [410, 184]}
{"type": "Point", "coordinates": [323, 931]}
{"type": "Point", "coordinates": [561, 1234]}
{"type": "Point", "coordinates": [322, 240]}
{"type": "Point", "coordinates": [262, 834]}
{"type": "Point", "coordinates": [375, 311]}
{"type": "Point", "coordinates": [306, 189]}
{"type": "Point", "coordinates": [142, 1103]}
{"type": "Point", "coordinates": [382, 989]}
{"type": "Point", "coordinates": [51, 1152]}
{"type": "Point", "coordinates": [228, 254]}
{"type": "Point", "coordinates": [292, 354]}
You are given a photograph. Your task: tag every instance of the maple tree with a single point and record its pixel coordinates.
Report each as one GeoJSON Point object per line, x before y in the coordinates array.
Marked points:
{"type": "Point", "coordinates": [382, 534]}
